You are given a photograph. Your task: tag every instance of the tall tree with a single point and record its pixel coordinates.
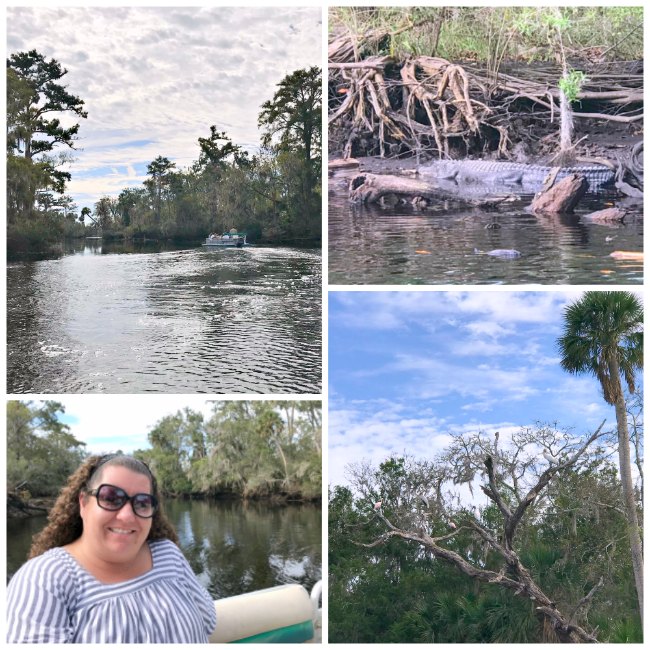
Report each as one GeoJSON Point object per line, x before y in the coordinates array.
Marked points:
{"type": "Point", "coordinates": [34, 117]}
{"type": "Point", "coordinates": [106, 212]}
{"type": "Point", "coordinates": [35, 99]}
{"type": "Point", "coordinates": [294, 114]}
{"type": "Point", "coordinates": [603, 336]}
{"type": "Point", "coordinates": [158, 170]}
{"type": "Point", "coordinates": [213, 164]}
{"type": "Point", "coordinates": [213, 153]}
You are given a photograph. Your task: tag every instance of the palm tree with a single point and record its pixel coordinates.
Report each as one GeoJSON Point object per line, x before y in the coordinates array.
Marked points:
{"type": "Point", "coordinates": [603, 335]}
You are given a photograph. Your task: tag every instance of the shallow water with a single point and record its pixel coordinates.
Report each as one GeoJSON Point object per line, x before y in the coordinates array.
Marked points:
{"type": "Point", "coordinates": [446, 244]}
{"type": "Point", "coordinates": [183, 321]}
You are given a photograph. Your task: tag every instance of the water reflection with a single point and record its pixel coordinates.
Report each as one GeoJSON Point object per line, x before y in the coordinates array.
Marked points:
{"type": "Point", "coordinates": [177, 321]}
{"type": "Point", "coordinates": [403, 245]}
{"type": "Point", "coordinates": [233, 547]}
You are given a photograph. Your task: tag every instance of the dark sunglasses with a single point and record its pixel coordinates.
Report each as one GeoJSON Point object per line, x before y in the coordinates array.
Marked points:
{"type": "Point", "coordinates": [110, 497]}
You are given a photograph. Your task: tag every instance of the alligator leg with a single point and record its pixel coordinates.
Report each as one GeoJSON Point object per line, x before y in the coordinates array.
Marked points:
{"type": "Point", "coordinates": [511, 178]}
{"type": "Point", "coordinates": [449, 176]}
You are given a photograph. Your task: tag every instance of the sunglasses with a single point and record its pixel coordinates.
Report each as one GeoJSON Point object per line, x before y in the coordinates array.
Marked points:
{"type": "Point", "coordinates": [110, 497]}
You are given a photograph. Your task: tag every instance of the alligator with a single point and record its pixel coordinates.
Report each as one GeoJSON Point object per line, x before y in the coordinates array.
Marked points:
{"type": "Point", "coordinates": [518, 178]}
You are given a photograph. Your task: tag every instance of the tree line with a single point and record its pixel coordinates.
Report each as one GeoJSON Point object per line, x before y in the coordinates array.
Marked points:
{"type": "Point", "coordinates": [274, 195]}
{"type": "Point", "coordinates": [261, 449]}
{"type": "Point", "coordinates": [553, 555]}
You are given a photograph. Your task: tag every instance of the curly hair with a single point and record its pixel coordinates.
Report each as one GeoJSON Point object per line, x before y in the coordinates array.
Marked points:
{"type": "Point", "coordinates": [65, 523]}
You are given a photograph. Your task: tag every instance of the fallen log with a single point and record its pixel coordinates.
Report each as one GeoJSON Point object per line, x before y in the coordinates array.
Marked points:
{"type": "Point", "coordinates": [369, 188]}
{"type": "Point", "coordinates": [19, 507]}
{"type": "Point", "coordinates": [562, 197]}
{"type": "Point", "coordinates": [373, 188]}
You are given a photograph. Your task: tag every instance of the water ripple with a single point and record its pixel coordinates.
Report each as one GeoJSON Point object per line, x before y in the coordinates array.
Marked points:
{"type": "Point", "coordinates": [183, 321]}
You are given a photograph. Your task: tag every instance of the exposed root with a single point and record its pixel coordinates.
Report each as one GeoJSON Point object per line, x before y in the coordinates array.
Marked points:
{"type": "Point", "coordinates": [428, 105]}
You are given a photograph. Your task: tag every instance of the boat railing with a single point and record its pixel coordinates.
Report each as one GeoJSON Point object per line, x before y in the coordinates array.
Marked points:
{"type": "Point", "coordinates": [283, 614]}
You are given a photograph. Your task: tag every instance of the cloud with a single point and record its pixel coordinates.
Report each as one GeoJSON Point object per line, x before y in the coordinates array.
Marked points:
{"type": "Point", "coordinates": [111, 422]}
{"type": "Point", "coordinates": [487, 313]}
{"type": "Point", "coordinates": [374, 430]}
{"type": "Point", "coordinates": [409, 368]}
{"type": "Point", "coordinates": [165, 75]}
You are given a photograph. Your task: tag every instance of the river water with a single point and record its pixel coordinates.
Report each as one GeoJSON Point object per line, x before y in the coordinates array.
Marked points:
{"type": "Point", "coordinates": [233, 547]}
{"type": "Point", "coordinates": [446, 244]}
{"type": "Point", "coordinates": [176, 321]}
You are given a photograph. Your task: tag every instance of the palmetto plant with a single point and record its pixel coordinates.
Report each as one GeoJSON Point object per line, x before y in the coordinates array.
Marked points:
{"type": "Point", "coordinates": [603, 336]}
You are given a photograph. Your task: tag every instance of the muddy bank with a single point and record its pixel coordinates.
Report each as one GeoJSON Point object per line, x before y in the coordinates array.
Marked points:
{"type": "Point", "coordinates": [429, 108]}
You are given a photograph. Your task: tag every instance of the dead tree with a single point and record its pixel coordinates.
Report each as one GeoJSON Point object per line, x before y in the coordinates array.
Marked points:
{"type": "Point", "coordinates": [512, 575]}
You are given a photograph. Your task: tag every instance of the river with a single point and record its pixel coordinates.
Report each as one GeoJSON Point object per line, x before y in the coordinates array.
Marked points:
{"type": "Point", "coordinates": [447, 244]}
{"type": "Point", "coordinates": [233, 547]}
{"type": "Point", "coordinates": [174, 321]}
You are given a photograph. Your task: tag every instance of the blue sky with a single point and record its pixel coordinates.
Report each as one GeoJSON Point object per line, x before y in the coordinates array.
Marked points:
{"type": "Point", "coordinates": [108, 423]}
{"type": "Point", "coordinates": [407, 368]}
{"type": "Point", "coordinates": [154, 79]}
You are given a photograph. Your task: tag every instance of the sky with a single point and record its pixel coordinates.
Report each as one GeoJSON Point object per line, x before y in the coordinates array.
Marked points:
{"type": "Point", "coordinates": [406, 369]}
{"type": "Point", "coordinates": [108, 423]}
{"type": "Point", "coordinates": [154, 79]}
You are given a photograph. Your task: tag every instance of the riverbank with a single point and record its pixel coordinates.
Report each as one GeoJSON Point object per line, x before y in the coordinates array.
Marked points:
{"type": "Point", "coordinates": [49, 250]}
{"type": "Point", "coordinates": [21, 508]}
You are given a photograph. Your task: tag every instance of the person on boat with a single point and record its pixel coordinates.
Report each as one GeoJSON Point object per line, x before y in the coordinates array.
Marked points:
{"type": "Point", "coordinates": [107, 568]}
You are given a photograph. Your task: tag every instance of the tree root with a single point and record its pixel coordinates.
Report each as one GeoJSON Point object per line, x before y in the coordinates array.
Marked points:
{"type": "Point", "coordinates": [428, 104]}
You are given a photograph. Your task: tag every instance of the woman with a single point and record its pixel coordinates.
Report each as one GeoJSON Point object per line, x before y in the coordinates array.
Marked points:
{"type": "Point", "coordinates": [107, 568]}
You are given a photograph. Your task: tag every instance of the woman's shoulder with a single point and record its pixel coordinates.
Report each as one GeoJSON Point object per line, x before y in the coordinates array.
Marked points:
{"type": "Point", "coordinates": [164, 547]}
{"type": "Point", "coordinates": [165, 550]}
{"type": "Point", "coordinates": [54, 568]}
{"type": "Point", "coordinates": [55, 560]}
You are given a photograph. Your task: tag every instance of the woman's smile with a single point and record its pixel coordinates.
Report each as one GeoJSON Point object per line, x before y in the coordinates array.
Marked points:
{"type": "Point", "coordinates": [121, 531]}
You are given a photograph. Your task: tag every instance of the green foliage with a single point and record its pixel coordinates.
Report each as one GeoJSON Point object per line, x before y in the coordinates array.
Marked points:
{"type": "Point", "coordinates": [33, 129]}
{"type": "Point", "coordinates": [572, 83]}
{"type": "Point", "coordinates": [294, 114]}
{"type": "Point", "coordinates": [396, 592]}
{"type": "Point", "coordinates": [626, 630]}
{"type": "Point", "coordinates": [214, 154]}
{"type": "Point", "coordinates": [248, 449]}
{"type": "Point", "coordinates": [273, 196]}
{"type": "Point", "coordinates": [556, 21]}
{"type": "Point", "coordinates": [603, 336]}
{"type": "Point", "coordinates": [41, 452]}
{"type": "Point", "coordinates": [245, 449]}
{"type": "Point", "coordinates": [35, 101]}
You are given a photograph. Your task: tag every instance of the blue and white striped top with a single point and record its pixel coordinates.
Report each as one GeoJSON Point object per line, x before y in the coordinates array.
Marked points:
{"type": "Point", "coordinates": [52, 599]}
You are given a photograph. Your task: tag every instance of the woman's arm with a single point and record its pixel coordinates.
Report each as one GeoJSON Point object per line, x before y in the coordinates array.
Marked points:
{"type": "Point", "coordinates": [37, 603]}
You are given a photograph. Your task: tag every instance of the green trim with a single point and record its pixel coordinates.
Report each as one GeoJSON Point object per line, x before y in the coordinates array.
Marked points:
{"type": "Point", "coordinates": [296, 633]}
